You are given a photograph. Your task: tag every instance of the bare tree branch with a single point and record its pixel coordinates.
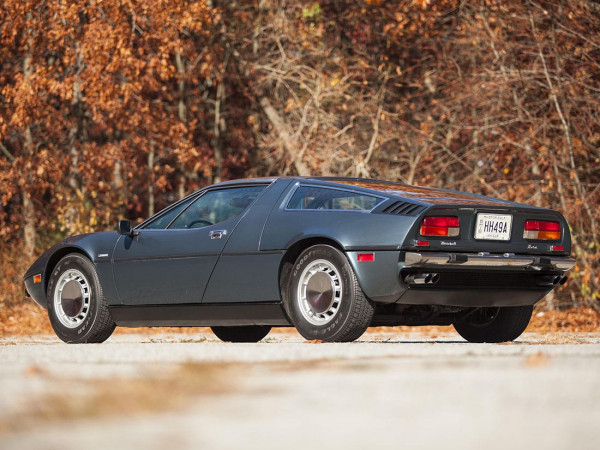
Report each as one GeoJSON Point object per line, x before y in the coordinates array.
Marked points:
{"type": "Point", "coordinates": [8, 154]}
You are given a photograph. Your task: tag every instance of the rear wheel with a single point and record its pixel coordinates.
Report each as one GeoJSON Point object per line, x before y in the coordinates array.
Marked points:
{"type": "Point", "coordinates": [494, 324]}
{"type": "Point", "coordinates": [76, 306]}
{"type": "Point", "coordinates": [249, 333]}
{"type": "Point", "coordinates": [324, 300]}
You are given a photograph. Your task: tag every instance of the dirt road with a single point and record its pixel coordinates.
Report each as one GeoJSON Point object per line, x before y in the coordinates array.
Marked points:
{"type": "Point", "coordinates": [385, 391]}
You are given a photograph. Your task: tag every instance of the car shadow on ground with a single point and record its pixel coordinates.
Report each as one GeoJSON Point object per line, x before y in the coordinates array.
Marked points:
{"type": "Point", "coordinates": [424, 341]}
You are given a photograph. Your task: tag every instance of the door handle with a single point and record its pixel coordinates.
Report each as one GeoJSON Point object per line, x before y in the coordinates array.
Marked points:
{"type": "Point", "coordinates": [217, 234]}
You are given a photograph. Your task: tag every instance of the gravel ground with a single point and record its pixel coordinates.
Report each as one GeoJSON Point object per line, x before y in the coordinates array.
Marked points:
{"type": "Point", "coordinates": [385, 391]}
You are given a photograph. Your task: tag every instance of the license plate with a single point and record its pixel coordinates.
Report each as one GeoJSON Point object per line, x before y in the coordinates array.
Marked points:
{"type": "Point", "coordinates": [493, 227]}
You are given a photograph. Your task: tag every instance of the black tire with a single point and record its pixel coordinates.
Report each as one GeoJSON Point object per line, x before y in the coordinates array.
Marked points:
{"type": "Point", "coordinates": [495, 324]}
{"type": "Point", "coordinates": [248, 333]}
{"type": "Point", "coordinates": [78, 311]}
{"type": "Point", "coordinates": [324, 300]}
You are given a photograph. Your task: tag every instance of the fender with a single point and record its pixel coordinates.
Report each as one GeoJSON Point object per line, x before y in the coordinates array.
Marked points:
{"type": "Point", "coordinates": [98, 247]}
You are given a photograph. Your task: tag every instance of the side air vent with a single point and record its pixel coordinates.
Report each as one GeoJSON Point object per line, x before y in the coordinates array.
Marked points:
{"type": "Point", "coordinates": [403, 209]}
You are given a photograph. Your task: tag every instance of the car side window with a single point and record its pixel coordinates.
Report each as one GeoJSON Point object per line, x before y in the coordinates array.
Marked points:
{"type": "Point", "coordinates": [319, 198]}
{"type": "Point", "coordinates": [217, 206]}
{"type": "Point", "coordinates": [165, 219]}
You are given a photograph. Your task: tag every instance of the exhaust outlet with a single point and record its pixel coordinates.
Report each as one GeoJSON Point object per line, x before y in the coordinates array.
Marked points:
{"type": "Point", "coordinates": [419, 278]}
{"type": "Point", "coordinates": [422, 278]}
{"type": "Point", "coordinates": [563, 280]}
{"type": "Point", "coordinates": [551, 280]}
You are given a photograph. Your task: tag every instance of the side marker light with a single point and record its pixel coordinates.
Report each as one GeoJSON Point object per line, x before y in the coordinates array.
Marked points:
{"type": "Point", "coordinates": [365, 257]}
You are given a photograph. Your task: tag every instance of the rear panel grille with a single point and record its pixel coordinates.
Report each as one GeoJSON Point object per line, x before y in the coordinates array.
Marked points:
{"type": "Point", "coordinates": [403, 209]}
{"type": "Point", "coordinates": [487, 280]}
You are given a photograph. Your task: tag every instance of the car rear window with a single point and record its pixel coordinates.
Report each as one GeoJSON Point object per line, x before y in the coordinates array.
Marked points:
{"type": "Point", "coordinates": [321, 198]}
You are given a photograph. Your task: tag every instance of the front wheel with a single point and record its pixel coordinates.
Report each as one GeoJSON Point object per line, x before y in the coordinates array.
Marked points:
{"type": "Point", "coordinates": [77, 309]}
{"type": "Point", "coordinates": [494, 324]}
{"type": "Point", "coordinates": [324, 300]}
{"type": "Point", "coordinates": [248, 333]}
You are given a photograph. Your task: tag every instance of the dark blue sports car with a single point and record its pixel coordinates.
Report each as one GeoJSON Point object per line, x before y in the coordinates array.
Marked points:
{"type": "Point", "coordinates": [330, 256]}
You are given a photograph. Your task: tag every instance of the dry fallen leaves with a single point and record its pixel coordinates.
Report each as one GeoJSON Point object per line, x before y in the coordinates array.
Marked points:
{"type": "Point", "coordinates": [121, 396]}
{"type": "Point", "coordinates": [537, 360]}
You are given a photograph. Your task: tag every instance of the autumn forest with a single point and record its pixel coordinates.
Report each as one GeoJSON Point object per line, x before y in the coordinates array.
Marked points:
{"type": "Point", "coordinates": [114, 109]}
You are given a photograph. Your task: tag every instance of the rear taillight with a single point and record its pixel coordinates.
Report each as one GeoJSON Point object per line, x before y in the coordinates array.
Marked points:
{"type": "Point", "coordinates": [542, 229]}
{"type": "Point", "coordinates": [440, 226]}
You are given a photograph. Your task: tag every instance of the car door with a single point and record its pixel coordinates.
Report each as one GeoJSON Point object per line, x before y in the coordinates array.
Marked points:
{"type": "Point", "coordinates": [244, 274]}
{"type": "Point", "coordinates": [172, 265]}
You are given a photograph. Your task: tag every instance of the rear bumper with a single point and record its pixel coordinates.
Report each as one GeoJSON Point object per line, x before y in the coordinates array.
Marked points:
{"type": "Point", "coordinates": [481, 279]}
{"type": "Point", "coordinates": [463, 279]}
{"type": "Point", "coordinates": [508, 260]}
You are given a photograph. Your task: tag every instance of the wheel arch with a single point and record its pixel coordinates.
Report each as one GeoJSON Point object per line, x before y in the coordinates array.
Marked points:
{"type": "Point", "coordinates": [56, 257]}
{"type": "Point", "coordinates": [292, 253]}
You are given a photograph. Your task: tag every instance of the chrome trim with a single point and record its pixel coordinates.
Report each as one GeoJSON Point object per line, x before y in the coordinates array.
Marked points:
{"type": "Point", "coordinates": [564, 263]}
{"type": "Point", "coordinates": [486, 259]}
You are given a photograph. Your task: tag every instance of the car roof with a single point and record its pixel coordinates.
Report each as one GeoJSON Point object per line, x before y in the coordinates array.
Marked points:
{"type": "Point", "coordinates": [412, 193]}
{"type": "Point", "coordinates": [367, 183]}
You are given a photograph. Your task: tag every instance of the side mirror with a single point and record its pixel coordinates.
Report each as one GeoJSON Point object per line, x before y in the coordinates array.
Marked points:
{"type": "Point", "coordinates": [124, 228]}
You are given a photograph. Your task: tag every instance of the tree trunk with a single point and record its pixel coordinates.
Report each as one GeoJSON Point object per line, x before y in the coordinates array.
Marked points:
{"type": "Point", "coordinates": [73, 214]}
{"type": "Point", "coordinates": [119, 188]}
{"type": "Point", "coordinates": [182, 114]}
{"type": "Point", "coordinates": [151, 183]}
{"type": "Point", "coordinates": [29, 228]}
{"type": "Point", "coordinates": [217, 135]}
